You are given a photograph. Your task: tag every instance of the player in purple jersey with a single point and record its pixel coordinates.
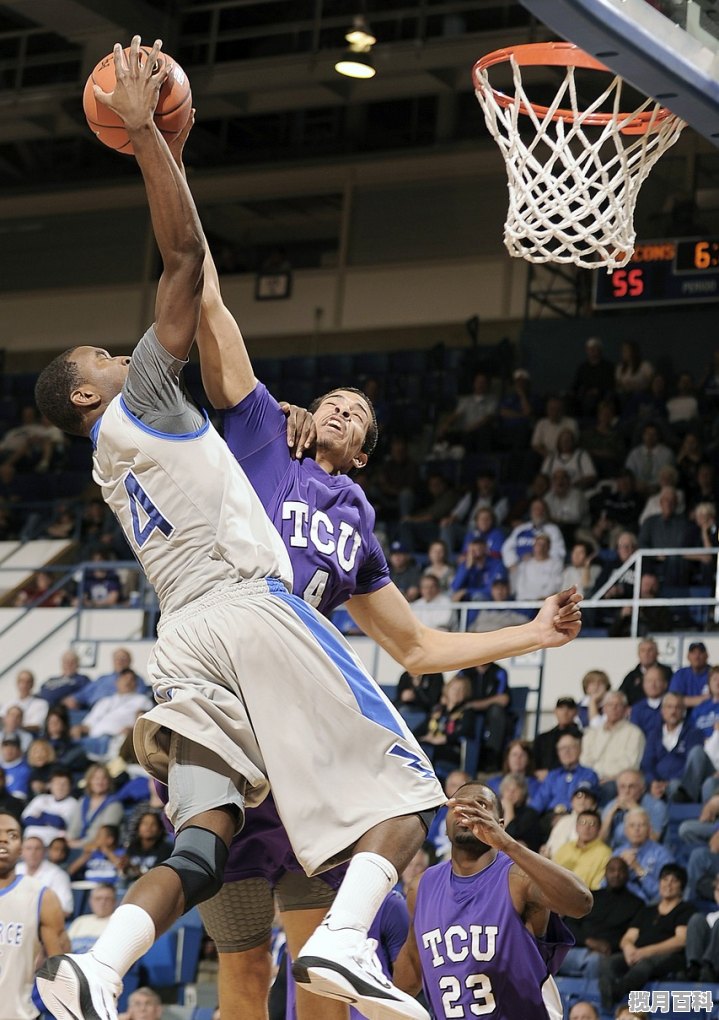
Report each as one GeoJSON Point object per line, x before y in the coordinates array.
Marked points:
{"type": "Point", "coordinates": [327, 526]}
{"type": "Point", "coordinates": [485, 938]}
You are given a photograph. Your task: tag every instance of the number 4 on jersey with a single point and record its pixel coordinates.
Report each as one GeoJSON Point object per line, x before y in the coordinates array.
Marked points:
{"type": "Point", "coordinates": [146, 518]}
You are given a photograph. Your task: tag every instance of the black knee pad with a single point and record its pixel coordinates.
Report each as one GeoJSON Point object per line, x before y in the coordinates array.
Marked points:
{"type": "Point", "coordinates": [199, 860]}
{"type": "Point", "coordinates": [427, 817]}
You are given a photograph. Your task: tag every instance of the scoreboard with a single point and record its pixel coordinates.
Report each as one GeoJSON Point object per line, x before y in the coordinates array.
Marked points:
{"type": "Point", "coordinates": [677, 271]}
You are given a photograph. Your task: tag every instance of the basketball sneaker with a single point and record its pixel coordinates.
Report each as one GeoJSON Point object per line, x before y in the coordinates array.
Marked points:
{"type": "Point", "coordinates": [77, 987]}
{"type": "Point", "coordinates": [342, 965]}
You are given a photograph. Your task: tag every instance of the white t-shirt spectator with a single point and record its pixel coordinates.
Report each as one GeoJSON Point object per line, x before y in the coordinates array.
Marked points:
{"type": "Point", "coordinates": [48, 818]}
{"type": "Point", "coordinates": [51, 877]}
{"type": "Point", "coordinates": [110, 716]}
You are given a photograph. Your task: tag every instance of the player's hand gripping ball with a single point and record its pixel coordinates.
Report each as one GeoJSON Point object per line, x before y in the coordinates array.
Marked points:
{"type": "Point", "coordinates": [174, 105]}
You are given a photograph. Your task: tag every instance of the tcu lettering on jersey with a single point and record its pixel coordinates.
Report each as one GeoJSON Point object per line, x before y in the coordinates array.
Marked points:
{"type": "Point", "coordinates": [342, 541]}
{"type": "Point", "coordinates": [456, 944]}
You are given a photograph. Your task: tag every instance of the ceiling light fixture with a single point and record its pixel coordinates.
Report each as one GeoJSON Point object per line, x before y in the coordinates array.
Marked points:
{"type": "Point", "coordinates": [357, 60]}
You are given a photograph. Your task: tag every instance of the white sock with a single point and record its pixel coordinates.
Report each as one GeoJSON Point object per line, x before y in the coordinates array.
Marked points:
{"type": "Point", "coordinates": [129, 934]}
{"type": "Point", "coordinates": [368, 880]}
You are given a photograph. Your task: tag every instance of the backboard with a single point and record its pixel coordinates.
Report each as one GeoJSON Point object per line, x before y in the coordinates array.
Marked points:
{"type": "Point", "coordinates": [668, 49]}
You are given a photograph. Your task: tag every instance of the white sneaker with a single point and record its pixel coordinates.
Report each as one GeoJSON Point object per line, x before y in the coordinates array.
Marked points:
{"type": "Point", "coordinates": [352, 974]}
{"type": "Point", "coordinates": [77, 987]}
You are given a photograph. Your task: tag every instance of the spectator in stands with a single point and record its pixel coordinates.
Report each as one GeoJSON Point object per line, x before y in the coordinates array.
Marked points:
{"type": "Point", "coordinates": [148, 846]}
{"type": "Point", "coordinates": [518, 761]}
{"type": "Point", "coordinates": [705, 519]}
{"type": "Point", "coordinates": [598, 933]}
{"type": "Point", "coordinates": [489, 698]}
{"type": "Point", "coordinates": [646, 713]}
{"type": "Point", "coordinates": [559, 786]}
{"type": "Point", "coordinates": [41, 759]}
{"type": "Point", "coordinates": [632, 373]}
{"type": "Point", "coordinates": [48, 815]}
{"type": "Point", "coordinates": [583, 1010]}
{"type": "Point", "coordinates": [595, 684]}
{"type": "Point", "coordinates": [473, 580]}
{"type": "Point", "coordinates": [702, 949]}
{"type": "Point", "coordinates": [653, 947]}
{"type": "Point", "coordinates": [546, 431]}
{"type": "Point", "coordinates": [564, 823]}
{"type": "Point", "coordinates": [668, 747]}
{"type": "Point", "coordinates": [485, 527]}
{"type": "Point", "coordinates": [471, 423]}
{"type": "Point", "coordinates": [631, 794]}
{"type": "Point", "coordinates": [648, 654]}
{"type": "Point", "coordinates": [68, 684]}
{"type": "Point", "coordinates": [614, 746]}
{"type": "Point", "coordinates": [113, 716]}
{"type": "Point", "coordinates": [101, 586]}
{"type": "Point", "coordinates": [434, 607]}
{"type": "Point", "coordinates": [567, 505]}
{"type": "Point", "coordinates": [703, 488]}
{"type": "Point", "coordinates": [404, 570]}
{"type": "Point", "coordinates": [582, 573]}
{"type": "Point", "coordinates": [645, 857]}
{"type": "Point", "coordinates": [17, 771]}
{"type": "Point", "coordinates": [143, 1004]}
{"type": "Point", "coordinates": [520, 820]}
{"type": "Point", "coordinates": [516, 411]}
{"type": "Point", "coordinates": [647, 459]}
{"type": "Point", "coordinates": [615, 511]}
{"type": "Point", "coordinates": [603, 441]}
{"type": "Point", "coordinates": [651, 619]}
{"type": "Point", "coordinates": [96, 808]}
{"type": "Point", "coordinates": [684, 407]}
{"type": "Point", "coordinates": [8, 803]}
{"type": "Point", "coordinates": [34, 709]}
{"type": "Point", "coordinates": [50, 876]}
{"type": "Point", "coordinates": [438, 564]}
{"type": "Point", "coordinates": [545, 744]}
{"type": "Point", "coordinates": [34, 445]}
{"type": "Point", "coordinates": [587, 855]}
{"type": "Point", "coordinates": [668, 478]}
{"type": "Point", "coordinates": [57, 731]}
{"type": "Point", "coordinates": [12, 727]}
{"type": "Point", "coordinates": [101, 859]}
{"type": "Point", "coordinates": [455, 524]}
{"type": "Point", "coordinates": [572, 459]}
{"type": "Point", "coordinates": [397, 481]}
{"type": "Point", "coordinates": [699, 780]}
{"type": "Point", "coordinates": [594, 378]}
{"type": "Point", "coordinates": [39, 593]}
{"type": "Point", "coordinates": [106, 685]}
{"type": "Point", "coordinates": [417, 694]}
{"type": "Point", "coordinates": [520, 544]}
{"type": "Point", "coordinates": [58, 851]}
{"type": "Point", "coordinates": [668, 530]}
{"type": "Point", "coordinates": [450, 722]}
{"type": "Point", "coordinates": [703, 868]}
{"type": "Point", "coordinates": [87, 929]}
{"type": "Point", "coordinates": [540, 574]}
{"type": "Point", "coordinates": [418, 529]}
{"type": "Point", "coordinates": [692, 681]}
{"type": "Point", "coordinates": [493, 619]}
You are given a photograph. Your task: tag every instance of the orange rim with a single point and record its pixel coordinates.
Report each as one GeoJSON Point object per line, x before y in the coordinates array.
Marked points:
{"type": "Point", "coordinates": [562, 54]}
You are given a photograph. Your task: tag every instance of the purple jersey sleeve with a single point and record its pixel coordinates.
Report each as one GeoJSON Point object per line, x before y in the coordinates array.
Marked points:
{"type": "Point", "coordinates": [256, 433]}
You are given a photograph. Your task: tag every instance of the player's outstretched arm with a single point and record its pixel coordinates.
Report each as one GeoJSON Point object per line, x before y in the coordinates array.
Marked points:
{"type": "Point", "coordinates": [174, 217]}
{"type": "Point", "coordinates": [385, 616]}
{"type": "Point", "coordinates": [52, 925]}
{"type": "Point", "coordinates": [543, 884]}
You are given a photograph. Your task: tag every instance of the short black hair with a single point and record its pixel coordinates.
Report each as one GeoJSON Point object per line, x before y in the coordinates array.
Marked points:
{"type": "Point", "coordinates": [52, 393]}
{"type": "Point", "coordinates": [60, 771]}
{"type": "Point", "coordinates": [592, 813]}
{"type": "Point", "coordinates": [370, 440]}
{"type": "Point", "coordinates": [677, 870]}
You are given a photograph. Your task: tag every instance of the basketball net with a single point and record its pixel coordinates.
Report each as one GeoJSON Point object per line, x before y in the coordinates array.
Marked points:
{"type": "Point", "coordinates": [573, 187]}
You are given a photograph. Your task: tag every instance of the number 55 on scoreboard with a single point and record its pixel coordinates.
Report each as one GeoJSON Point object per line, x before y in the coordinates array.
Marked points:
{"type": "Point", "coordinates": [676, 271]}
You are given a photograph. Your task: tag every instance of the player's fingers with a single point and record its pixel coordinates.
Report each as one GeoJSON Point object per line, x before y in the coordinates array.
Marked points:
{"type": "Point", "coordinates": [309, 434]}
{"type": "Point", "coordinates": [134, 61]}
{"type": "Point", "coordinates": [102, 97]}
{"type": "Point", "coordinates": [120, 59]}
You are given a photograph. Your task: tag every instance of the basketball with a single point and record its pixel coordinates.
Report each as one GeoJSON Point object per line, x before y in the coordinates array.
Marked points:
{"type": "Point", "coordinates": [171, 115]}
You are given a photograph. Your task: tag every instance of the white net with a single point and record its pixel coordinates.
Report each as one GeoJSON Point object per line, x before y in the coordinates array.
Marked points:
{"type": "Point", "coordinates": [573, 188]}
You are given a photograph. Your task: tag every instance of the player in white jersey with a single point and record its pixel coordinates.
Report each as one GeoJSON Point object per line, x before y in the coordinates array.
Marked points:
{"type": "Point", "coordinates": [31, 918]}
{"type": "Point", "coordinates": [233, 644]}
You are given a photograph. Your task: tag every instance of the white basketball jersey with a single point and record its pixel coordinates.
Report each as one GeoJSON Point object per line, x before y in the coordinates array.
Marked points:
{"type": "Point", "coordinates": [19, 946]}
{"type": "Point", "coordinates": [186, 506]}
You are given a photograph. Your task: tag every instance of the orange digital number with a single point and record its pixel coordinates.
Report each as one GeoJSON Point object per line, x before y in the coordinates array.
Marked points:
{"type": "Point", "coordinates": [702, 255]}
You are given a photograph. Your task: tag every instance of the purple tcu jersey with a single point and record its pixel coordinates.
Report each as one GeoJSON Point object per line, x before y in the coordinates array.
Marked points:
{"type": "Point", "coordinates": [477, 956]}
{"type": "Point", "coordinates": [325, 520]}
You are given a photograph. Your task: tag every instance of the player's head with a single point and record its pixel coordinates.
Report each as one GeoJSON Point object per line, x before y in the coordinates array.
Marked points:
{"type": "Point", "coordinates": [10, 844]}
{"type": "Point", "coordinates": [460, 836]}
{"type": "Point", "coordinates": [346, 427]}
{"type": "Point", "coordinates": [76, 387]}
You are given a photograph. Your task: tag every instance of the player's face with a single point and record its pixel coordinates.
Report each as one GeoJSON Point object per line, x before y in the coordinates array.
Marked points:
{"type": "Point", "coordinates": [342, 420]}
{"type": "Point", "coordinates": [459, 835]}
{"type": "Point", "coordinates": [102, 374]}
{"type": "Point", "coordinates": [10, 844]}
